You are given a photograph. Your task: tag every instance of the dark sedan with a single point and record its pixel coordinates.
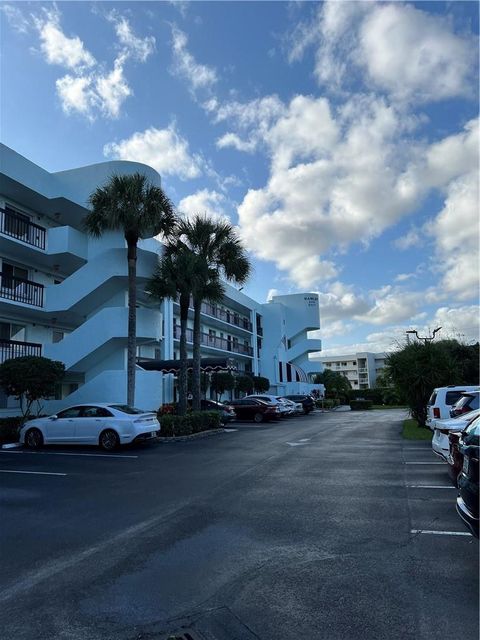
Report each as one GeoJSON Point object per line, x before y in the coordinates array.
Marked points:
{"type": "Point", "coordinates": [227, 413]}
{"type": "Point", "coordinates": [467, 501]}
{"type": "Point", "coordinates": [256, 410]}
{"type": "Point", "coordinates": [307, 402]}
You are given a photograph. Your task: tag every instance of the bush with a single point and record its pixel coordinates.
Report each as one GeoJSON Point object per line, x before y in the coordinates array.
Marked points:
{"type": "Point", "coordinates": [328, 403]}
{"type": "Point", "coordinates": [360, 405]}
{"type": "Point", "coordinates": [10, 428]}
{"type": "Point", "coordinates": [192, 422]}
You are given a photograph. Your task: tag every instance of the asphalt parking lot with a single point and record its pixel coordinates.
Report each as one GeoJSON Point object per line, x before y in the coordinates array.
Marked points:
{"type": "Point", "coordinates": [323, 526]}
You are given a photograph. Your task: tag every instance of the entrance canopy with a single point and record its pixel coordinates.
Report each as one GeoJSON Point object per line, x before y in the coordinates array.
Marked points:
{"type": "Point", "coordinates": [208, 365]}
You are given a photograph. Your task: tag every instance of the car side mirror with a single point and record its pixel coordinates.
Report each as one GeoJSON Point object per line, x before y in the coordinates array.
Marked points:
{"type": "Point", "coordinates": [54, 417]}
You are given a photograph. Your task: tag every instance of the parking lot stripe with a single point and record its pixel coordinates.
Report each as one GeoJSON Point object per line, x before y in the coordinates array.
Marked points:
{"type": "Point", "coordinates": [37, 473]}
{"type": "Point", "coordinates": [430, 486]}
{"type": "Point", "coordinates": [423, 463]}
{"type": "Point", "coordinates": [58, 453]}
{"type": "Point", "coordinates": [442, 533]}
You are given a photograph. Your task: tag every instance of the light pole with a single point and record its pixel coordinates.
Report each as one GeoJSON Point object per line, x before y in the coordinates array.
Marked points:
{"type": "Point", "coordinates": [426, 339]}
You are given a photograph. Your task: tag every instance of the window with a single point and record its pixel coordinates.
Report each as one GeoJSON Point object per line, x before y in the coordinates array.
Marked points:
{"type": "Point", "coordinates": [57, 336]}
{"type": "Point", "coordinates": [10, 331]}
{"type": "Point", "coordinates": [452, 396]}
{"type": "Point", "coordinates": [96, 412]}
{"type": "Point", "coordinates": [10, 271]}
{"type": "Point", "coordinates": [73, 412]}
{"type": "Point", "coordinates": [126, 409]}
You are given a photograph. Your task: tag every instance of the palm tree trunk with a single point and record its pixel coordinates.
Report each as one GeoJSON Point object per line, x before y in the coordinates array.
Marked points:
{"type": "Point", "coordinates": [197, 304]}
{"type": "Point", "coordinates": [132, 321]}
{"type": "Point", "coordinates": [182, 374]}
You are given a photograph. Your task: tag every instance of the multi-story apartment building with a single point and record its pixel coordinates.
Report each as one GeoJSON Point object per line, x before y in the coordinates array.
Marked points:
{"type": "Point", "coordinates": [361, 369]}
{"type": "Point", "coordinates": [63, 295]}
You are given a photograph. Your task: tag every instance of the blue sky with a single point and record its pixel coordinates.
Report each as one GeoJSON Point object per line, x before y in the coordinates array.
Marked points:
{"type": "Point", "coordinates": [341, 138]}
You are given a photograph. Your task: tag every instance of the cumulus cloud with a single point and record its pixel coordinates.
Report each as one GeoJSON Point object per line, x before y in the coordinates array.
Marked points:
{"type": "Point", "coordinates": [132, 45]}
{"type": "Point", "coordinates": [163, 149]}
{"type": "Point", "coordinates": [412, 238]}
{"type": "Point", "coordinates": [204, 202]}
{"type": "Point", "coordinates": [198, 76]}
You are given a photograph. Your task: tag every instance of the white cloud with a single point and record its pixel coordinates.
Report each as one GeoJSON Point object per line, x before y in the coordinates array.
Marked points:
{"type": "Point", "coordinates": [271, 293]}
{"type": "Point", "coordinates": [59, 48]}
{"type": "Point", "coordinates": [163, 149]}
{"type": "Point", "coordinates": [403, 277]}
{"type": "Point", "coordinates": [16, 18]}
{"type": "Point", "coordinates": [198, 76]}
{"type": "Point", "coordinates": [132, 45]}
{"type": "Point", "coordinates": [411, 239]}
{"type": "Point", "coordinates": [204, 202]}
{"type": "Point", "coordinates": [76, 94]}
{"type": "Point", "coordinates": [112, 89]}
{"type": "Point", "coordinates": [233, 140]}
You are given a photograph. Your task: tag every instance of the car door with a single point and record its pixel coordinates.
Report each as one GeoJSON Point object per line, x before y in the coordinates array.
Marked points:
{"type": "Point", "coordinates": [62, 427]}
{"type": "Point", "coordinates": [90, 424]}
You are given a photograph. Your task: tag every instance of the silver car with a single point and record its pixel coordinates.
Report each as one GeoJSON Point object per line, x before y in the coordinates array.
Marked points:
{"type": "Point", "coordinates": [103, 424]}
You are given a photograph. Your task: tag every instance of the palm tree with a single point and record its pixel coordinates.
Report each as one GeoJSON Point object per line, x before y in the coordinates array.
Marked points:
{"type": "Point", "coordinates": [222, 255]}
{"type": "Point", "coordinates": [176, 275]}
{"type": "Point", "coordinates": [130, 203]}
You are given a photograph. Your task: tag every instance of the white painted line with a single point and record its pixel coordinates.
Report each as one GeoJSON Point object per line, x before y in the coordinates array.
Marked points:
{"type": "Point", "coordinates": [442, 533]}
{"type": "Point", "coordinates": [36, 473]}
{"type": "Point", "coordinates": [58, 453]}
{"type": "Point", "coordinates": [429, 486]}
{"type": "Point", "coordinates": [442, 463]}
{"type": "Point", "coordinates": [230, 430]}
{"type": "Point", "coordinates": [304, 439]}
{"type": "Point", "coordinates": [296, 444]}
{"type": "Point", "coordinates": [11, 445]}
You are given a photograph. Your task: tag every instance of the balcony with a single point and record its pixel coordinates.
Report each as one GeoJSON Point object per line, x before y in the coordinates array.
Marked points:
{"type": "Point", "coordinates": [20, 290]}
{"type": "Point", "coordinates": [216, 342]}
{"type": "Point", "coordinates": [19, 227]}
{"type": "Point", "coordinates": [14, 349]}
{"type": "Point", "coordinates": [227, 316]}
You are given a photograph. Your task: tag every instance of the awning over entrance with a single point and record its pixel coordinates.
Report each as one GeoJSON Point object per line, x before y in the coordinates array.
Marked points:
{"type": "Point", "coordinates": [208, 365]}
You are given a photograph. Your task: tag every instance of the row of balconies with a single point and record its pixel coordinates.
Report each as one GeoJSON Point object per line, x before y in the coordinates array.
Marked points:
{"type": "Point", "coordinates": [16, 349]}
{"type": "Point", "coordinates": [18, 226]}
{"type": "Point", "coordinates": [20, 290]}
{"type": "Point", "coordinates": [225, 344]}
{"type": "Point", "coordinates": [231, 317]}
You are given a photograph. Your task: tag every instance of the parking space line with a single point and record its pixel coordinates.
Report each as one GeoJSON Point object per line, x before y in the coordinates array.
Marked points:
{"type": "Point", "coordinates": [424, 463]}
{"type": "Point", "coordinates": [36, 473]}
{"type": "Point", "coordinates": [442, 533]}
{"type": "Point", "coordinates": [430, 486]}
{"type": "Point", "coordinates": [58, 453]}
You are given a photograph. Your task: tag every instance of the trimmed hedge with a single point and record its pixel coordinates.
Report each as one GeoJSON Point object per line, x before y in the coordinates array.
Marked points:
{"type": "Point", "coordinates": [328, 403]}
{"type": "Point", "coordinates": [380, 395]}
{"type": "Point", "coordinates": [360, 405]}
{"type": "Point", "coordinates": [193, 422]}
{"type": "Point", "coordinates": [10, 428]}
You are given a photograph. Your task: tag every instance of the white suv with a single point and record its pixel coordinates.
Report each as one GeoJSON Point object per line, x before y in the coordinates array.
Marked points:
{"type": "Point", "coordinates": [442, 400]}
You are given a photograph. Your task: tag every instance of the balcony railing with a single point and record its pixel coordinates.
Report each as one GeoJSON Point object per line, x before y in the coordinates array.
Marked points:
{"type": "Point", "coordinates": [20, 290]}
{"type": "Point", "coordinates": [227, 316]}
{"type": "Point", "coordinates": [14, 349]}
{"type": "Point", "coordinates": [17, 226]}
{"type": "Point", "coordinates": [216, 342]}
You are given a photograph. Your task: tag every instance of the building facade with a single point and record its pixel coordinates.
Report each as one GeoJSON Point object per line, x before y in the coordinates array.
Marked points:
{"type": "Point", "coordinates": [63, 295]}
{"type": "Point", "coordinates": [361, 369]}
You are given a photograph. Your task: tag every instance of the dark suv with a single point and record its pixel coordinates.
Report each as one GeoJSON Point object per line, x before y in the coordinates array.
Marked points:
{"type": "Point", "coordinates": [467, 501]}
{"type": "Point", "coordinates": [467, 402]}
{"type": "Point", "coordinates": [307, 401]}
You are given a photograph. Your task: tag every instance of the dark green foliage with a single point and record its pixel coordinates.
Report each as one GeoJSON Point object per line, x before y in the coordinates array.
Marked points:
{"type": "Point", "coordinates": [261, 384]}
{"type": "Point", "coordinates": [360, 405]}
{"type": "Point", "coordinates": [336, 384]}
{"type": "Point", "coordinates": [244, 384]}
{"type": "Point", "coordinates": [386, 395]}
{"type": "Point", "coordinates": [30, 379]}
{"type": "Point", "coordinates": [222, 381]}
{"type": "Point", "coordinates": [191, 422]}
{"type": "Point", "coordinates": [9, 428]}
{"type": "Point", "coordinates": [418, 368]}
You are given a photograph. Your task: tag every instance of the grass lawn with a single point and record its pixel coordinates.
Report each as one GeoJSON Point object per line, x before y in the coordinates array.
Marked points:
{"type": "Point", "coordinates": [411, 431]}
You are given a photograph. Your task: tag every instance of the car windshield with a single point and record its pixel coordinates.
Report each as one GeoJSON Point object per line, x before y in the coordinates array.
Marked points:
{"type": "Point", "coordinates": [124, 408]}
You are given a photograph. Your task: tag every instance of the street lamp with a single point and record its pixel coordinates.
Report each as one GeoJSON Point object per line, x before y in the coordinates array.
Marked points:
{"type": "Point", "coordinates": [425, 339]}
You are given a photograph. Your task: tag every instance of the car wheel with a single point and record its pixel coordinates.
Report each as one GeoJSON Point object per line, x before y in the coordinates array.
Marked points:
{"type": "Point", "coordinates": [109, 440]}
{"type": "Point", "coordinates": [33, 439]}
{"type": "Point", "coordinates": [258, 417]}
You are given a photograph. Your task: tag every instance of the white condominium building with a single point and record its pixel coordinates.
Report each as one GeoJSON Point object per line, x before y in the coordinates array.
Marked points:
{"type": "Point", "coordinates": [361, 369]}
{"type": "Point", "coordinates": [63, 295]}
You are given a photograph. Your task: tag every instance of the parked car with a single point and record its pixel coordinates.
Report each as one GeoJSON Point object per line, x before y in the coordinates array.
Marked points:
{"type": "Point", "coordinates": [256, 410]}
{"type": "Point", "coordinates": [467, 500]}
{"type": "Point", "coordinates": [469, 401]}
{"type": "Point", "coordinates": [442, 429]}
{"type": "Point", "coordinates": [308, 403]}
{"type": "Point", "coordinates": [455, 457]}
{"type": "Point", "coordinates": [103, 424]}
{"type": "Point", "coordinates": [442, 400]}
{"type": "Point", "coordinates": [283, 410]}
{"type": "Point", "coordinates": [288, 404]}
{"type": "Point", "coordinates": [296, 407]}
{"type": "Point", "coordinates": [227, 413]}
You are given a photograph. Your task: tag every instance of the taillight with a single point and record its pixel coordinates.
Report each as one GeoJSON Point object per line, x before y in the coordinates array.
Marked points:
{"type": "Point", "coordinates": [436, 412]}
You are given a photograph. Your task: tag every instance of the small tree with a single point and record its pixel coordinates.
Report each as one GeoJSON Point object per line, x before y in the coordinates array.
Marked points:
{"type": "Point", "coordinates": [261, 384]}
{"type": "Point", "coordinates": [222, 381]}
{"type": "Point", "coordinates": [30, 379]}
{"type": "Point", "coordinates": [244, 384]}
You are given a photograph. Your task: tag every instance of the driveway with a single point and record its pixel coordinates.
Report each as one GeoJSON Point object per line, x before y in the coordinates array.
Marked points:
{"type": "Point", "coordinates": [318, 527]}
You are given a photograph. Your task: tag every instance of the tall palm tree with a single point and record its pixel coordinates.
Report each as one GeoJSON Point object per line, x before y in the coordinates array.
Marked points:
{"type": "Point", "coordinates": [176, 274]}
{"type": "Point", "coordinates": [130, 203]}
{"type": "Point", "coordinates": [222, 255]}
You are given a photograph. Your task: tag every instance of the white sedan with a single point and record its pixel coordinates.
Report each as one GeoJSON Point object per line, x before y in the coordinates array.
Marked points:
{"type": "Point", "coordinates": [103, 424]}
{"type": "Point", "coordinates": [441, 429]}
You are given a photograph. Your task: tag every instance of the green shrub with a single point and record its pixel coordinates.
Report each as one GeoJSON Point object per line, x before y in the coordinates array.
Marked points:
{"type": "Point", "coordinates": [213, 419]}
{"type": "Point", "coordinates": [192, 422]}
{"type": "Point", "coordinates": [360, 405]}
{"type": "Point", "coordinates": [196, 420]}
{"type": "Point", "coordinates": [10, 429]}
{"type": "Point", "coordinates": [328, 403]}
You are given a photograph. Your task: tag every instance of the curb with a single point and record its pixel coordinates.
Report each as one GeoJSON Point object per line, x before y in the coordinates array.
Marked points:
{"type": "Point", "coordinates": [193, 436]}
